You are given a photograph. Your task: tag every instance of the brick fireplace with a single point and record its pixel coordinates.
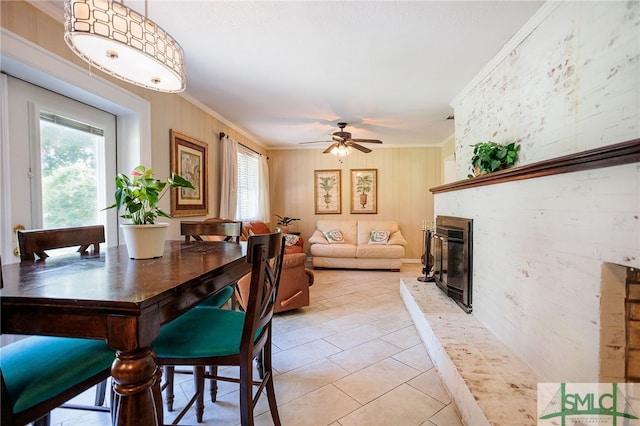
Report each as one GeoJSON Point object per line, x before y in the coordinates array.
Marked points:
{"type": "Point", "coordinates": [632, 369]}
{"type": "Point", "coordinates": [546, 244]}
{"type": "Point", "coordinates": [620, 324]}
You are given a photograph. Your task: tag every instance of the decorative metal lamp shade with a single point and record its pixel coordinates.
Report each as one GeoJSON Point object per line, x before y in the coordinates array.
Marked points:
{"type": "Point", "coordinates": [123, 43]}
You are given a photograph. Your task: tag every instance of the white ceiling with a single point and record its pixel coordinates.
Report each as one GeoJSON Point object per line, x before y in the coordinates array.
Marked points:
{"type": "Point", "coordinates": [287, 72]}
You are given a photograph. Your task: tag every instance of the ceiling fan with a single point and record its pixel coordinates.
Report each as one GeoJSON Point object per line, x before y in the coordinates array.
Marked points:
{"type": "Point", "coordinates": [342, 140]}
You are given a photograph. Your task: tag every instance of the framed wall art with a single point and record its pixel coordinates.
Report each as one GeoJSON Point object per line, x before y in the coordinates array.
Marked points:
{"type": "Point", "coordinates": [189, 160]}
{"type": "Point", "coordinates": [364, 191]}
{"type": "Point", "coordinates": [327, 191]}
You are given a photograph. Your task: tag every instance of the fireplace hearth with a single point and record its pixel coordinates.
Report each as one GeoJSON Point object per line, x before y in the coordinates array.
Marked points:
{"type": "Point", "coordinates": [453, 247]}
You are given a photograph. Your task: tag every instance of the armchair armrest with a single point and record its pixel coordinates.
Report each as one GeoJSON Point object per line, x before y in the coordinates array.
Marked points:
{"type": "Point", "coordinates": [292, 260]}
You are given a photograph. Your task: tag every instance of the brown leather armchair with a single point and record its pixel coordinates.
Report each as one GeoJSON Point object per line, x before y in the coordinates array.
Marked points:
{"type": "Point", "coordinates": [294, 284]}
{"type": "Point", "coordinates": [262, 228]}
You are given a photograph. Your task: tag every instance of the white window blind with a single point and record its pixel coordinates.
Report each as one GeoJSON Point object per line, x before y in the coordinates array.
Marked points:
{"type": "Point", "coordinates": [248, 185]}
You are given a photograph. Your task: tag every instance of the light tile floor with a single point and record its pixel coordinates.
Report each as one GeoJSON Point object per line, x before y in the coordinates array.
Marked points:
{"type": "Point", "coordinates": [352, 358]}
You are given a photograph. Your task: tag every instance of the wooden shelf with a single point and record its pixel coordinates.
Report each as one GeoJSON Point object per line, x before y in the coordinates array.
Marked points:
{"type": "Point", "coordinates": [606, 156]}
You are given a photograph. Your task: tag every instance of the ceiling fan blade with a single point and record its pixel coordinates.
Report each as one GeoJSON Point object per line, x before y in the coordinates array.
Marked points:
{"type": "Point", "coordinates": [328, 150]}
{"type": "Point", "coordinates": [359, 147]}
{"type": "Point", "coordinates": [303, 143]}
{"type": "Point", "coordinates": [367, 140]}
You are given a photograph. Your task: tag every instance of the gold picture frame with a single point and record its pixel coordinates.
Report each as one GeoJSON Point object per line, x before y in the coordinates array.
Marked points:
{"type": "Point", "coordinates": [364, 191]}
{"type": "Point", "coordinates": [189, 160]}
{"type": "Point", "coordinates": [328, 199]}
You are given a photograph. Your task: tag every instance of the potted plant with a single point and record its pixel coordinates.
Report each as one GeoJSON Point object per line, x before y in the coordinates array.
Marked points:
{"type": "Point", "coordinates": [326, 184]}
{"type": "Point", "coordinates": [363, 186]}
{"type": "Point", "coordinates": [139, 195]}
{"type": "Point", "coordinates": [285, 221]}
{"type": "Point", "coordinates": [489, 157]}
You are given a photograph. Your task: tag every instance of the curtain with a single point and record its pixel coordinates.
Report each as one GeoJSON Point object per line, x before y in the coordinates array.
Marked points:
{"type": "Point", "coordinates": [229, 178]}
{"type": "Point", "coordinates": [264, 206]}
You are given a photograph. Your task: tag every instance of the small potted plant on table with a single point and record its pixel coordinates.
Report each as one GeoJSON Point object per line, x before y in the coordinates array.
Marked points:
{"type": "Point", "coordinates": [140, 195]}
{"type": "Point", "coordinates": [284, 222]}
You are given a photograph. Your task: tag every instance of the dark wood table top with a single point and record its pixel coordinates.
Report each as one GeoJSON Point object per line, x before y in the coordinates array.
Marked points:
{"type": "Point", "coordinates": [111, 284]}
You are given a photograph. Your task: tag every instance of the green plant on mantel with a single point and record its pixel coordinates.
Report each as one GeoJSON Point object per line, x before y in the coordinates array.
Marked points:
{"type": "Point", "coordinates": [489, 157]}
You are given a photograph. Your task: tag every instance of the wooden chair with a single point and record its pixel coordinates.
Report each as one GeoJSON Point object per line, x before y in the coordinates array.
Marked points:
{"type": "Point", "coordinates": [231, 338]}
{"type": "Point", "coordinates": [36, 241]}
{"type": "Point", "coordinates": [40, 373]}
{"type": "Point", "coordinates": [229, 231]}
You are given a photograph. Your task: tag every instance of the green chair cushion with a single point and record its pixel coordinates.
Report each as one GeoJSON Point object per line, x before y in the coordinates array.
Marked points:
{"type": "Point", "coordinates": [201, 333]}
{"type": "Point", "coordinates": [38, 368]}
{"type": "Point", "coordinates": [218, 299]}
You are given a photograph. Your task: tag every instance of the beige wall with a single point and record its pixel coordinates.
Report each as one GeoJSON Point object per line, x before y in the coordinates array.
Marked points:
{"type": "Point", "coordinates": [167, 110]}
{"type": "Point", "coordinates": [404, 178]}
{"type": "Point", "coordinates": [404, 175]}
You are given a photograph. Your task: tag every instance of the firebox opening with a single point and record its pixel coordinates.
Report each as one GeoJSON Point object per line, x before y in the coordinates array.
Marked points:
{"type": "Point", "coordinates": [453, 245]}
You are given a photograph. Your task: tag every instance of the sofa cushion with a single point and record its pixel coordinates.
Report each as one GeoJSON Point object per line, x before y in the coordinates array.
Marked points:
{"type": "Point", "coordinates": [318, 238]}
{"type": "Point", "coordinates": [397, 238]}
{"type": "Point", "coordinates": [378, 237]}
{"type": "Point", "coordinates": [349, 228]}
{"type": "Point", "coordinates": [333, 250]}
{"type": "Point", "coordinates": [366, 226]}
{"type": "Point", "coordinates": [380, 251]}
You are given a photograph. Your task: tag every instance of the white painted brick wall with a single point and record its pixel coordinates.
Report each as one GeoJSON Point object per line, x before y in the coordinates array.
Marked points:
{"type": "Point", "coordinates": [573, 84]}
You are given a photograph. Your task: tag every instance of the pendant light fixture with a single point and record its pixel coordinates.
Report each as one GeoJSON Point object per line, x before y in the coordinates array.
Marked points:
{"type": "Point", "coordinates": [121, 42]}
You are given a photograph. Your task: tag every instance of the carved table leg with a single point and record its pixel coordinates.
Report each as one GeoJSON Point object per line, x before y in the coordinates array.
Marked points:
{"type": "Point", "coordinates": [136, 385]}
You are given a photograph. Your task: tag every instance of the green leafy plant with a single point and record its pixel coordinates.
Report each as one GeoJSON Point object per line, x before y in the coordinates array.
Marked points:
{"type": "Point", "coordinates": [489, 157]}
{"type": "Point", "coordinates": [327, 183]}
{"type": "Point", "coordinates": [140, 194]}
{"type": "Point", "coordinates": [363, 184]}
{"type": "Point", "coordinates": [285, 220]}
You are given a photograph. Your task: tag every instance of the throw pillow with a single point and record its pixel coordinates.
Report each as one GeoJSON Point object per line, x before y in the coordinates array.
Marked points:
{"type": "Point", "coordinates": [379, 237]}
{"type": "Point", "coordinates": [334, 236]}
{"type": "Point", "coordinates": [290, 240]}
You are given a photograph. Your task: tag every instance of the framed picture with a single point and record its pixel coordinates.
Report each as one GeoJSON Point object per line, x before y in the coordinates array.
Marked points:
{"type": "Point", "coordinates": [189, 160]}
{"type": "Point", "coordinates": [327, 191]}
{"type": "Point", "coordinates": [364, 191]}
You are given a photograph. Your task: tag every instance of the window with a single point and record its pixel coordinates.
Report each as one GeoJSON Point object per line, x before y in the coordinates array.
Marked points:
{"type": "Point", "coordinates": [248, 185]}
{"type": "Point", "coordinates": [71, 163]}
{"type": "Point", "coordinates": [63, 159]}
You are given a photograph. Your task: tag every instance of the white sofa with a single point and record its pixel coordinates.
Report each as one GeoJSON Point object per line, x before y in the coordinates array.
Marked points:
{"type": "Point", "coordinates": [357, 251]}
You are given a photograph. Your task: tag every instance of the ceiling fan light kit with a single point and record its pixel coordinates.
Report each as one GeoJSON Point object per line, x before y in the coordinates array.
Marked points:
{"type": "Point", "coordinates": [343, 143]}
{"type": "Point", "coordinates": [340, 151]}
{"type": "Point", "coordinates": [121, 42]}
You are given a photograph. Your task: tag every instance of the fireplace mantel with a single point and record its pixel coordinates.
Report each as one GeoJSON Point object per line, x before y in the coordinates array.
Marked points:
{"type": "Point", "coordinates": [607, 156]}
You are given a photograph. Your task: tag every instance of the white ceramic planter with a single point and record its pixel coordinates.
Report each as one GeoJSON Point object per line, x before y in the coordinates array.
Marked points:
{"type": "Point", "coordinates": [145, 241]}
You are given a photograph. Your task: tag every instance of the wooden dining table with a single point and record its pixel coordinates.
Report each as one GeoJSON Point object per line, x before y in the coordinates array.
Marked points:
{"type": "Point", "coordinates": [123, 301]}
